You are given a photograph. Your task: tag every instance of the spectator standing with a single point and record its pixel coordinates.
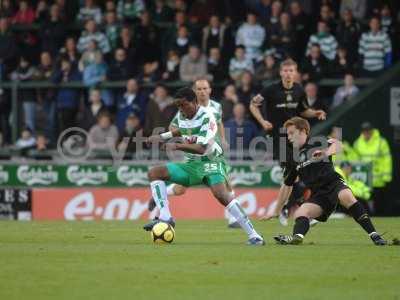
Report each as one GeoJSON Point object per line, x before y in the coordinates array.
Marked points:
{"type": "Point", "coordinates": [345, 92]}
{"type": "Point", "coordinates": [120, 68]}
{"type": "Point", "coordinates": [95, 72]}
{"type": "Point", "coordinates": [42, 12]}
{"type": "Point", "coordinates": [26, 40]}
{"type": "Point", "coordinates": [160, 111]}
{"type": "Point", "coordinates": [25, 14]}
{"type": "Point", "coordinates": [228, 101]}
{"type": "Point", "coordinates": [342, 63]}
{"type": "Point", "coordinates": [161, 12]}
{"type": "Point", "coordinates": [193, 65]}
{"type": "Point", "coordinates": [67, 98]}
{"type": "Point", "coordinates": [148, 39]}
{"type": "Point", "coordinates": [239, 64]}
{"type": "Point", "coordinates": [314, 101]}
{"type": "Point", "coordinates": [267, 70]}
{"type": "Point", "coordinates": [326, 14]}
{"type": "Point", "coordinates": [171, 34]}
{"type": "Point", "coordinates": [251, 35]}
{"type": "Point", "coordinates": [131, 130]}
{"type": "Point", "coordinates": [89, 56]}
{"type": "Point", "coordinates": [387, 21]}
{"type": "Point", "coordinates": [70, 52]}
{"type": "Point", "coordinates": [375, 49]}
{"type": "Point", "coordinates": [325, 40]}
{"type": "Point", "coordinates": [132, 101]}
{"type": "Point", "coordinates": [282, 36]}
{"type": "Point", "coordinates": [373, 148]}
{"type": "Point", "coordinates": [46, 97]}
{"type": "Point", "coordinates": [348, 31]}
{"type": "Point", "coordinates": [276, 10]}
{"type": "Point", "coordinates": [171, 71]}
{"type": "Point", "coordinates": [52, 31]}
{"type": "Point", "coordinates": [104, 135]}
{"type": "Point", "coordinates": [240, 129]}
{"type": "Point", "coordinates": [150, 73]}
{"type": "Point", "coordinates": [92, 111]}
{"type": "Point", "coordinates": [7, 9]}
{"type": "Point", "coordinates": [181, 42]}
{"type": "Point", "coordinates": [246, 88]}
{"type": "Point", "coordinates": [91, 33]}
{"type": "Point", "coordinates": [126, 41]}
{"type": "Point", "coordinates": [315, 66]}
{"type": "Point", "coordinates": [25, 72]}
{"type": "Point", "coordinates": [357, 7]}
{"type": "Point", "coordinates": [301, 26]}
{"type": "Point", "coordinates": [215, 65]}
{"type": "Point", "coordinates": [8, 48]}
{"type": "Point", "coordinates": [129, 10]}
{"type": "Point", "coordinates": [90, 12]}
{"type": "Point", "coordinates": [213, 35]}
{"type": "Point", "coordinates": [112, 28]}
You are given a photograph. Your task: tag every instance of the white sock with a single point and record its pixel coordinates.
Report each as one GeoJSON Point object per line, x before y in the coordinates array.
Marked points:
{"type": "Point", "coordinates": [231, 218]}
{"type": "Point", "coordinates": [237, 212]}
{"type": "Point", "coordinates": [159, 192]}
{"type": "Point", "coordinates": [170, 189]}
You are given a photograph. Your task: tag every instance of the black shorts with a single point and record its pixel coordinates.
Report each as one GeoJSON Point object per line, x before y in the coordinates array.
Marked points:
{"type": "Point", "coordinates": [327, 198]}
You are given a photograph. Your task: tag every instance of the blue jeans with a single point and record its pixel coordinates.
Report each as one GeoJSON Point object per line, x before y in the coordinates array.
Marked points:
{"type": "Point", "coordinates": [49, 108]}
{"type": "Point", "coordinates": [29, 114]}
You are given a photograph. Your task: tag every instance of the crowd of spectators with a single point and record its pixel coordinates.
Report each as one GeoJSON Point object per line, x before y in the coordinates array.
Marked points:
{"type": "Point", "coordinates": [237, 45]}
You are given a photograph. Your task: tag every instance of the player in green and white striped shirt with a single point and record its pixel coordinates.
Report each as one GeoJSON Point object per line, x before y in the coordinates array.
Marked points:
{"type": "Point", "coordinates": [205, 163]}
{"type": "Point", "coordinates": [202, 89]}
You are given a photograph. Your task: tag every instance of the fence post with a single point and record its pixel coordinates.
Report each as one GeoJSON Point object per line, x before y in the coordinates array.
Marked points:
{"type": "Point", "coordinates": [14, 111]}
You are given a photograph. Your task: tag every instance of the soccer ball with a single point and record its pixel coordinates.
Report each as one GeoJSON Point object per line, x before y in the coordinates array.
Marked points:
{"type": "Point", "coordinates": [162, 233]}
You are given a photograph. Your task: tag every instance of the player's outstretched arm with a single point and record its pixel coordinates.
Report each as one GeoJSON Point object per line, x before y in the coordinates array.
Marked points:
{"type": "Point", "coordinates": [335, 146]}
{"type": "Point", "coordinates": [312, 113]}
{"type": "Point", "coordinates": [190, 148]}
{"type": "Point", "coordinates": [283, 196]}
{"type": "Point", "coordinates": [174, 132]}
{"type": "Point", "coordinates": [255, 111]}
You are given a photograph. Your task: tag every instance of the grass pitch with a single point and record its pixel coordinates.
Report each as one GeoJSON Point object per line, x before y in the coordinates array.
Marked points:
{"type": "Point", "coordinates": [117, 260]}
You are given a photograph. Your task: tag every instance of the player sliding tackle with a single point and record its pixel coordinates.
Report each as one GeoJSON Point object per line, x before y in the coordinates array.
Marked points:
{"type": "Point", "coordinates": [205, 163]}
{"type": "Point", "coordinates": [328, 189]}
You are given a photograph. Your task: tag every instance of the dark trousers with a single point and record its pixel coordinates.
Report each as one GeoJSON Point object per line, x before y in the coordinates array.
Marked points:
{"type": "Point", "coordinates": [66, 118]}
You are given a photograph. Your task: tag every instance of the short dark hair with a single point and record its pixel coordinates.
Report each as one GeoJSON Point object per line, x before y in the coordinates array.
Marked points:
{"type": "Point", "coordinates": [185, 93]}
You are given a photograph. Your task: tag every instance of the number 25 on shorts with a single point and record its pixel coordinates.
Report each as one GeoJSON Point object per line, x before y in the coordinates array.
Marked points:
{"type": "Point", "coordinates": [210, 167]}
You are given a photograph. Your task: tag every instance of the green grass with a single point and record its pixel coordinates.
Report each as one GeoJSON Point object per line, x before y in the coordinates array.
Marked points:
{"type": "Point", "coordinates": [117, 260]}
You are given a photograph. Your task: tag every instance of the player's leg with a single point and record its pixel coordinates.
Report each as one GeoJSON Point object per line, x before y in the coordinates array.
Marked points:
{"type": "Point", "coordinates": [157, 177]}
{"type": "Point", "coordinates": [360, 215]}
{"type": "Point", "coordinates": [302, 217]}
{"type": "Point", "coordinates": [221, 193]}
{"type": "Point", "coordinates": [173, 189]}
{"type": "Point", "coordinates": [232, 222]}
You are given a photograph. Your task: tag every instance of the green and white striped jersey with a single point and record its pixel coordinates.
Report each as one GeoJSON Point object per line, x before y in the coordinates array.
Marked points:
{"type": "Point", "coordinates": [373, 48]}
{"type": "Point", "coordinates": [201, 129]}
{"type": "Point", "coordinates": [216, 109]}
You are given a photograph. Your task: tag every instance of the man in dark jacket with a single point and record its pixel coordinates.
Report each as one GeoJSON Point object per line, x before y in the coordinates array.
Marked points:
{"type": "Point", "coordinates": [67, 98]}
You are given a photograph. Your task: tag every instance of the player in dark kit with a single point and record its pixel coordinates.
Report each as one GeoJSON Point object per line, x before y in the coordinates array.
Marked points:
{"type": "Point", "coordinates": [312, 163]}
{"type": "Point", "coordinates": [279, 102]}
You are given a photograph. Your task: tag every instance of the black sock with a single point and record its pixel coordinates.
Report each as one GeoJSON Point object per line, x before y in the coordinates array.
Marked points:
{"type": "Point", "coordinates": [301, 226]}
{"type": "Point", "coordinates": [358, 212]}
